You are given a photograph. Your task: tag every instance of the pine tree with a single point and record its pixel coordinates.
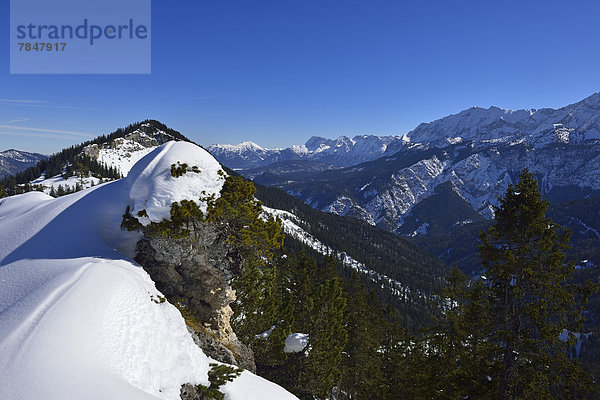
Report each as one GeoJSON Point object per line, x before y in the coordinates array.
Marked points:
{"type": "Point", "coordinates": [446, 340]}
{"type": "Point", "coordinates": [307, 298]}
{"type": "Point", "coordinates": [327, 336]}
{"type": "Point", "coordinates": [2, 192]}
{"type": "Point", "coordinates": [363, 363]}
{"type": "Point", "coordinates": [327, 340]}
{"type": "Point", "coordinates": [460, 360]}
{"type": "Point", "coordinates": [531, 300]}
{"type": "Point", "coordinates": [238, 214]}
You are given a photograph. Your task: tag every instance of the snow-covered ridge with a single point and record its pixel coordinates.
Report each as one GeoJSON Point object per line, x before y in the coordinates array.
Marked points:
{"type": "Point", "coordinates": [123, 153]}
{"type": "Point", "coordinates": [572, 123]}
{"type": "Point", "coordinates": [120, 154]}
{"type": "Point", "coordinates": [240, 148]}
{"type": "Point", "coordinates": [77, 316]}
{"type": "Point", "coordinates": [478, 151]}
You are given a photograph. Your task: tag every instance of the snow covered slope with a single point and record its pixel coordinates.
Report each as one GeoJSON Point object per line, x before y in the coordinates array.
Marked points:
{"type": "Point", "coordinates": [122, 153]}
{"type": "Point", "coordinates": [77, 316]}
{"type": "Point", "coordinates": [119, 154]}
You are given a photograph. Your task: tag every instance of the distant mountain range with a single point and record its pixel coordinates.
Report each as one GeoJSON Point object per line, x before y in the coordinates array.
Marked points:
{"type": "Point", "coordinates": [474, 154]}
{"type": "Point", "coordinates": [13, 161]}
{"type": "Point", "coordinates": [572, 124]}
{"type": "Point", "coordinates": [341, 152]}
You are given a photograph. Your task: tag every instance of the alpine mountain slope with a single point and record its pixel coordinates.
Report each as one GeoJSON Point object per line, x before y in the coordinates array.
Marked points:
{"type": "Point", "coordinates": [13, 161]}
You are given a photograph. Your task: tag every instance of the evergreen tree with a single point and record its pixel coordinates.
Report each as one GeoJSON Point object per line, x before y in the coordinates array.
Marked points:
{"type": "Point", "coordinates": [446, 340]}
{"type": "Point", "coordinates": [531, 302]}
{"type": "Point", "coordinates": [238, 214]}
{"type": "Point", "coordinates": [459, 358]}
{"type": "Point", "coordinates": [2, 192]}
{"type": "Point", "coordinates": [307, 298]}
{"type": "Point", "coordinates": [363, 363]}
{"type": "Point", "coordinates": [327, 336]}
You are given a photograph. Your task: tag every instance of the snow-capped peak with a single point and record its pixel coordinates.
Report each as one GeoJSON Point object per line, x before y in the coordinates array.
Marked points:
{"type": "Point", "coordinates": [240, 147]}
{"type": "Point", "coordinates": [534, 126]}
{"type": "Point", "coordinates": [342, 151]}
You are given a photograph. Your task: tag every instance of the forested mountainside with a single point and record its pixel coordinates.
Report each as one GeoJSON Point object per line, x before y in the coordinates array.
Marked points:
{"type": "Point", "coordinates": [400, 273]}
{"type": "Point", "coordinates": [14, 161]}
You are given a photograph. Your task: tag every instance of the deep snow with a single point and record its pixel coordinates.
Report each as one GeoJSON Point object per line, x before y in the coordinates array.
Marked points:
{"type": "Point", "coordinates": [77, 316]}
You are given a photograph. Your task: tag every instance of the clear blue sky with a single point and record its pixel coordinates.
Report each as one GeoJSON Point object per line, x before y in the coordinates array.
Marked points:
{"type": "Point", "coordinates": [277, 72]}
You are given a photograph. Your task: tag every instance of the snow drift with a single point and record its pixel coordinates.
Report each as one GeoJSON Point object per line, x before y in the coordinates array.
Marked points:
{"type": "Point", "coordinates": [78, 318]}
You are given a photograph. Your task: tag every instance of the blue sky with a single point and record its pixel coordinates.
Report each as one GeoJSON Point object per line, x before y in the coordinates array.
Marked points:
{"type": "Point", "coordinates": [278, 72]}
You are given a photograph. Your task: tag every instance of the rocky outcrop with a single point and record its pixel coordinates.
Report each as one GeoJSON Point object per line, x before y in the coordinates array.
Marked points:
{"type": "Point", "coordinates": [194, 274]}
{"type": "Point", "coordinates": [191, 392]}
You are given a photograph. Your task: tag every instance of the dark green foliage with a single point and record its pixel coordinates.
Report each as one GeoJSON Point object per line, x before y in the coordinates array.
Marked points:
{"type": "Point", "coordinates": [219, 375]}
{"type": "Point", "coordinates": [380, 251]}
{"type": "Point", "coordinates": [159, 299]}
{"type": "Point", "coordinates": [178, 169]}
{"type": "Point", "coordinates": [185, 219]}
{"type": "Point", "coordinates": [327, 338]}
{"type": "Point", "coordinates": [321, 315]}
{"type": "Point", "coordinates": [500, 336]}
{"type": "Point", "coordinates": [128, 222]}
{"type": "Point", "coordinates": [363, 362]}
{"type": "Point", "coordinates": [2, 192]}
{"type": "Point", "coordinates": [458, 358]}
{"type": "Point", "coordinates": [531, 301]}
{"type": "Point", "coordinates": [309, 298]}
{"type": "Point", "coordinates": [405, 369]}
{"type": "Point", "coordinates": [237, 213]}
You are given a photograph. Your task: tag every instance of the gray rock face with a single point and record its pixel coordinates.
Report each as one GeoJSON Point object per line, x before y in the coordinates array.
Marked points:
{"type": "Point", "coordinates": [191, 392]}
{"type": "Point", "coordinates": [195, 274]}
